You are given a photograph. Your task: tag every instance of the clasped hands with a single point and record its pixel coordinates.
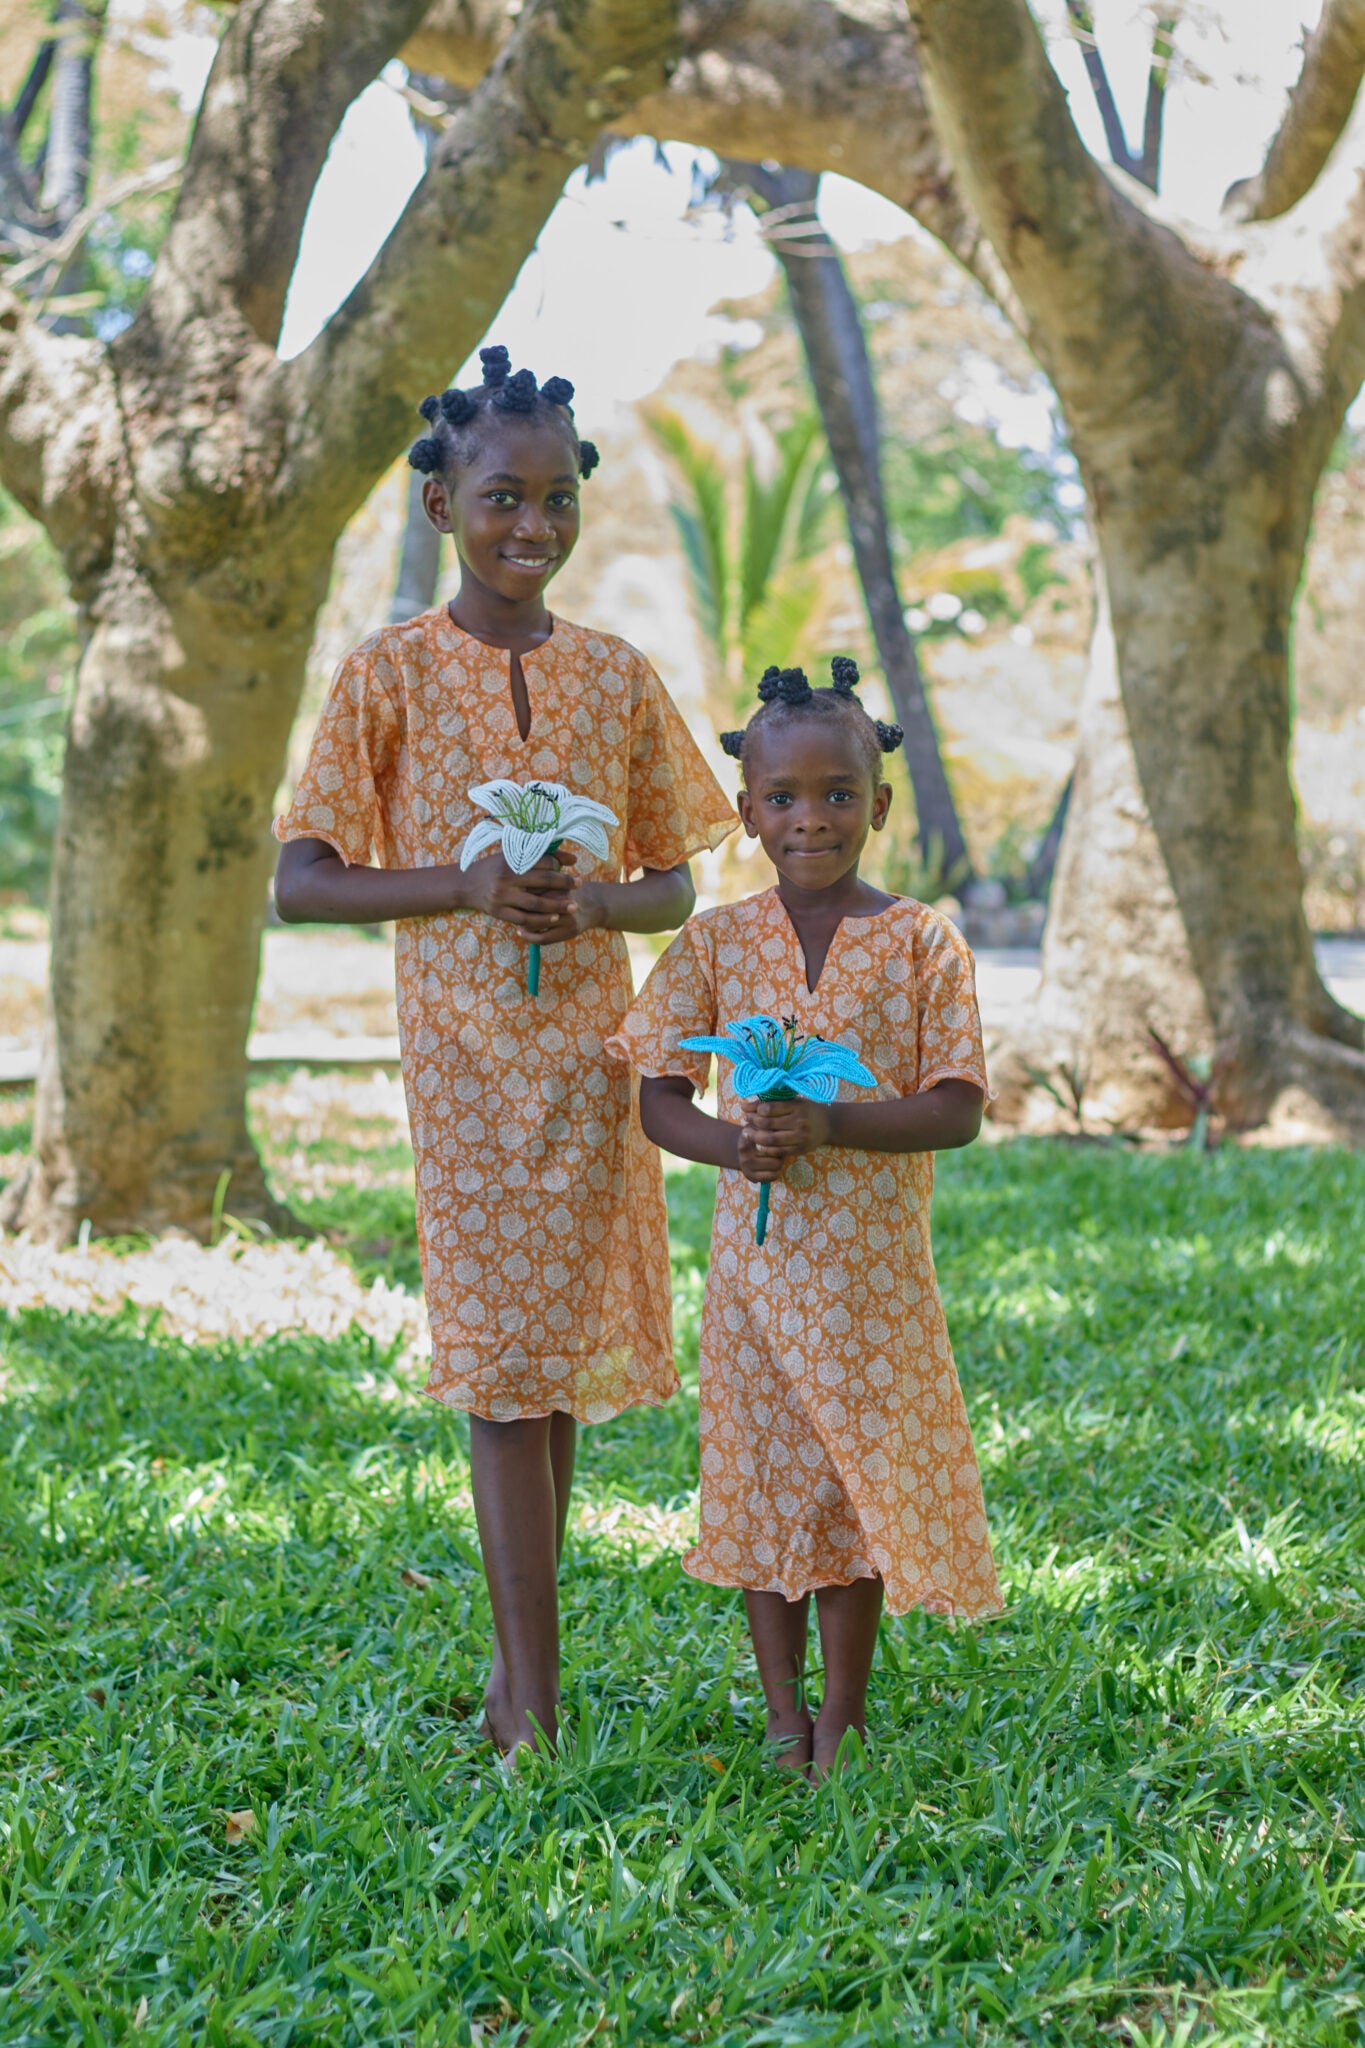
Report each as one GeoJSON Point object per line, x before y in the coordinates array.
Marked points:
{"type": "Point", "coordinates": [550, 903]}
{"type": "Point", "coordinates": [774, 1132]}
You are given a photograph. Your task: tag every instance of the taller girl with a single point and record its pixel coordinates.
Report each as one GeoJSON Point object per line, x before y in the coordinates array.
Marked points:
{"type": "Point", "coordinates": [540, 1207]}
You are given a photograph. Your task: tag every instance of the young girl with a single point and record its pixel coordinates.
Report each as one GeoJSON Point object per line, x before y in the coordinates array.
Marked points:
{"type": "Point", "coordinates": [540, 1206]}
{"type": "Point", "coordinates": [836, 1456]}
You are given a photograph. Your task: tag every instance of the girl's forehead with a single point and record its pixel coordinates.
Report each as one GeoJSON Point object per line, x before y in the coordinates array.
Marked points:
{"type": "Point", "coordinates": [534, 449]}
{"type": "Point", "coordinates": [807, 746]}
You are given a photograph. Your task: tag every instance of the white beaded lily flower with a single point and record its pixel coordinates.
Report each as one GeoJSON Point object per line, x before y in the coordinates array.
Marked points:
{"type": "Point", "coordinates": [531, 818]}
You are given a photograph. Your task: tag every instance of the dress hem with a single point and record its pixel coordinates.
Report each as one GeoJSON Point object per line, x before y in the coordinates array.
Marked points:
{"type": "Point", "coordinates": [539, 1414]}
{"type": "Point", "coordinates": [711, 1575]}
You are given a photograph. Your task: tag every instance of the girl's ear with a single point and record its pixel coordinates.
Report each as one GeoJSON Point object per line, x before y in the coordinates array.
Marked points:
{"type": "Point", "coordinates": [746, 813]}
{"type": "Point", "coordinates": [881, 804]}
{"type": "Point", "coordinates": [436, 504]}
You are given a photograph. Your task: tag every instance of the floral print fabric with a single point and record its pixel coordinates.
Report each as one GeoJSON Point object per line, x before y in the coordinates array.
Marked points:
{"type": "Point", "coordinates": [834, 1441]}
{"type": "Point", "coordinates": [540, 1205]}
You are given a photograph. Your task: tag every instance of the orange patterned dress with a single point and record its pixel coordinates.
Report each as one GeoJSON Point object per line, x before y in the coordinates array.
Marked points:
{"type": "Point", "coordinates": [834, 1441]}
{"type": "Point", "coordinates": [540, 1205]}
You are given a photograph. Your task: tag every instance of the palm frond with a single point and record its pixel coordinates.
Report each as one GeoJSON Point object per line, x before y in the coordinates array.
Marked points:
{"type": "Point", "coordinates": [699, 513]}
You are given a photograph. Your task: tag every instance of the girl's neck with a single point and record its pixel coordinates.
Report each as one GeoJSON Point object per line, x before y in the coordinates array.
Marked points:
{"type": "Point", "coordinates": [850, 896]}
{"type": "Point", "coordinates": [516, 624]}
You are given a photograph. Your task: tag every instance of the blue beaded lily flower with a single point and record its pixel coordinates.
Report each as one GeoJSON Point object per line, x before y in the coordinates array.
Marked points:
{"type": "Point", "coordinates": [531, 819]}
{"type": "Point", "coordinates": [775, 1063]}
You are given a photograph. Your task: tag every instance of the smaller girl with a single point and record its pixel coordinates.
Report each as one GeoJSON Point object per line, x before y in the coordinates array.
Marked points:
{"type": "Point", "coordinates": [836, 1457]}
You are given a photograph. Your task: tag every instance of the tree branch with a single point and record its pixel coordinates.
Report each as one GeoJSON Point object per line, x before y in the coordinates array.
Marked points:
{"type": "Point", "coordinates": [1111, 299]}
{"type": "Point", "coordinates": [1083, 27]}
{"type": "Point", "coordinates": [568, 69]}
{"type": "Point", "coordinates": [821, 85]}
{"type": "Point", "coordinates": [1148, 167]}
{"type": "Point", "coordinates": [58, 431]}
{"type": "Point", "coordinates": [283, 78]}
{"type": "Point", "coordinates": [1320, 104]}
{"type": "Point", "coordinates": [27, 97]}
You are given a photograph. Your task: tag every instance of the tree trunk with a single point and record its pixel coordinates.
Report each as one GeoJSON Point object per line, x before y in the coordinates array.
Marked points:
{"type": "Point", "coordinates": [419, 564]}
{"type": "Point", "coordinates": [182, 715]}
{"type": "Point", "coordinates": [831, 332]}
{"type": "Point", "coordinates": [1177, 903]}
{"type": "Point", "coordinates": [1203, 389]}
{"type": "Point", "coordinates": [196, 486]}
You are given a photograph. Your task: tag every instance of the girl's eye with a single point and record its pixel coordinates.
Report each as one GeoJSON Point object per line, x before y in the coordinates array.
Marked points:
{"type": "Point", "coordinates": [779, 797]}
{"type": "Point", "coordinates": [841, 796]}
{"type": "Point", "coordinates": [500, 498]}
{"type": "Point", "coordinates": [564, 501]}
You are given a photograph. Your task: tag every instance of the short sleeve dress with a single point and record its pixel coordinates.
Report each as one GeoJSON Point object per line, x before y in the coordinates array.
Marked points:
{"type": "Point", "coordinates": [540, 1204]}
{"type": "Point", "coordinates": [834, 1441]}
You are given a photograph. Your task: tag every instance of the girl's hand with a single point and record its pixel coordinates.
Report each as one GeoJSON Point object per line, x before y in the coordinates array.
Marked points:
{"type": "Point", "coordinates": [774, 1132]}
{"type": "Point", "coordinates": [585, 910]}
{"type": "Point", "coordinates": [537, 903]}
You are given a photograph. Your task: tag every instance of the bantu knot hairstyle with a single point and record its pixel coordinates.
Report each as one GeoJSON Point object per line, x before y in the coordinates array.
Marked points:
{"type": "Point", "coordinates": [785, 694]}
{"type": "Point", "coordinates": [453, 415]}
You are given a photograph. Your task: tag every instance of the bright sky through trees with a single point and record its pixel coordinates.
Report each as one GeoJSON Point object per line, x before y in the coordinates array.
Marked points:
{"type": "Point", "coordinates": [622, 256]}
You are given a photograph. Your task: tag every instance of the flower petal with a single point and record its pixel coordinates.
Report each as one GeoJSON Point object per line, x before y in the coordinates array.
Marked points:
{"type": "Point", "coordinates": [487, 832]}
{"type": "Point", "coordinates": [587, 832]}
{"type": "Point", "coordinates": [575, 809]}
{"type": "Point", "coordinates": [815, 1087]}
{"type": "Point", "coordinates": [723, 1048]}
{"type": "Point", "coordinates": [750, 1078]}
{"type": "Point", "coordinates": [521, 850]}
{"type": "Point", "coordinates": [836, 1060]}
{"type": "Point", "coordinates": [495, 796]}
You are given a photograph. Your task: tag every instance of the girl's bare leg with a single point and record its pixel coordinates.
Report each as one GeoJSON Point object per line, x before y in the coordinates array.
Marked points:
{"type": "Point", "coordinates": [517, 1468]}
{"type": "Point", "coordinates": [777, 1628]}
{"type": "Point", "coordinates": [849, 1616]}
{"type": "Point", "coordinates": [563, 1452]}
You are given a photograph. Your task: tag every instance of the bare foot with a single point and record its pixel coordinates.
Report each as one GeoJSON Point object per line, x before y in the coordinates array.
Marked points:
{"type": "Point", "coordinates": [787, 1740]}
{"type": "Point", "coordinates": [498, 1718]}
{"type": "Point", "coordinates": [835, 1743]}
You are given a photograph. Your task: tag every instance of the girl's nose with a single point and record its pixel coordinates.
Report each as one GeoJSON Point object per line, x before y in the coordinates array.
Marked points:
{"type": "Point", "coordinates": [533, 525]}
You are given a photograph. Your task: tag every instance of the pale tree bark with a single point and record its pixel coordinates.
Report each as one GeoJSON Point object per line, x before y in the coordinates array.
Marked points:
{"type": "Point", "coordinates": [419, 557]}
{"type": "Point", "coordinates": [1203, 388]}
{"type": "Point", "coordinates": [1319, 108]}
{"type": "Point", "coordinates": [196, 485]}
{"type": "Point", "coordinates": [831, 331]}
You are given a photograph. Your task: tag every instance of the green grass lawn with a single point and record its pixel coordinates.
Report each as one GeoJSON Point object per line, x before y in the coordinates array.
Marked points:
{"type": "Point", "coordinates": [1132, 1810]}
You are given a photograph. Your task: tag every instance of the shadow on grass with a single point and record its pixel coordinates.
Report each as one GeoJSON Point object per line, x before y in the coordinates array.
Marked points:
{"type": "Point", "coordinates": [1135, 1793]}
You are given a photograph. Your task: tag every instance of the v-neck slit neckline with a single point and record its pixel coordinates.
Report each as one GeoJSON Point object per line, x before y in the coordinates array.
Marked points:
{"type": "Point", "coordinates": [491, 647]}
{"type": "Point", "coordinates": [799, 943]}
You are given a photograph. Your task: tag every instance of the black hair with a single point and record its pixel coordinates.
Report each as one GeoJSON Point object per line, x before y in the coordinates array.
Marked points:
{"type": "Point", "coordinates": [785, 695]}
{"type": "Point", "coordinates": [453, 415]}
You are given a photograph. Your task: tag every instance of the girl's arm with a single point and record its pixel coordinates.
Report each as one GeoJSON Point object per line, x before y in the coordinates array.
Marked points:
{"type": "Point", "coordinates": [940, 1120]}
{"type": "Point", "coordinates": [672, 1120]}
{"type": "Point", "coordinates": [659, 900]}
{"type": "Point", "coordinates": [313, 885]}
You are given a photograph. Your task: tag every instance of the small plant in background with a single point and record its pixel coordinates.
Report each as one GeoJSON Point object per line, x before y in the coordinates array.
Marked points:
{"type": "Point", "coordinates": [909, 870]}
{"type": "Point", "coordinates": [1195, 1077]}
{"type": "Point", "coordinates": [1066, 1085]}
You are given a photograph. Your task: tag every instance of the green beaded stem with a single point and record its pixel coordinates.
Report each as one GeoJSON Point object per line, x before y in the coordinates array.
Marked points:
{"type": "Point", "coordinates": [765, 1187]}
{"type": "Point", "coordinates": [533, 957]}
